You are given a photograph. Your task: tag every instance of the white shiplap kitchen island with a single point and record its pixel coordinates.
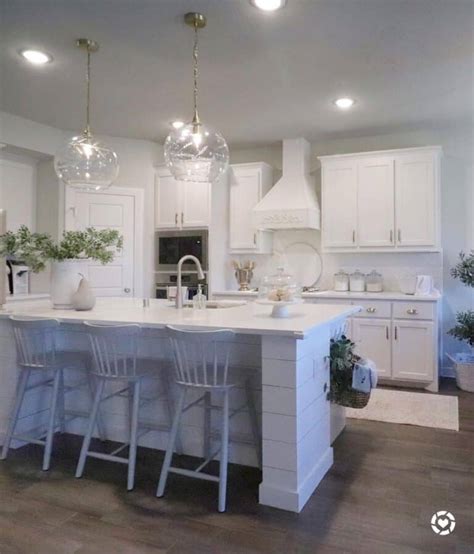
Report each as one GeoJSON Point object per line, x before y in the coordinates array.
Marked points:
{"type": "Point", "coordinates": [286, 359]}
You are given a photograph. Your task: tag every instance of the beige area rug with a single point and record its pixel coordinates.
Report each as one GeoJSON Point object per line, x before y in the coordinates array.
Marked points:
{"type": "Point", "coordinates": [411, 408]}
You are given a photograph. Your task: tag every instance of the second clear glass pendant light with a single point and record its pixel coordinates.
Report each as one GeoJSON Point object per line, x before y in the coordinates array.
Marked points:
{"type": "Point", "coordinates": [83, 162]}
{"type": "Point", "coordinates": [195, 152]}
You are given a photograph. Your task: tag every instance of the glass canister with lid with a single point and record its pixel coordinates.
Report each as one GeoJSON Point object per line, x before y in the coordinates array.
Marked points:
{"type": "Point", "coordinates": [357, 281]}
{"type": "Point", "coordinates": [280, 287]}
{"type": "Point", "coordinates": [341, 281]}
{"type": "Point", "coordinates": [374, 282]}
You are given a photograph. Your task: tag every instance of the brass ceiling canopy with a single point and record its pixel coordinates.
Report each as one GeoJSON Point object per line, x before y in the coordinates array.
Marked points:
{"type": "Point", "coordinates": [196, 20]}
{"type": "Point", "coordinates": [87, 44]}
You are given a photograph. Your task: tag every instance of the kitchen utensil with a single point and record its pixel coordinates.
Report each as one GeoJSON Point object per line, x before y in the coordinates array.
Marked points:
{"type": "Point", "coordinates": [357, 281]}
{"type": "Point", "coordinates": [374, 282]}
{"type": "Point", "coordinates": [341, 281]}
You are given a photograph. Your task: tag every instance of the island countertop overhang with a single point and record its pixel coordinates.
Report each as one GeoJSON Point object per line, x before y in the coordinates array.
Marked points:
{"type": "Point", "coordinates": [250, 318]}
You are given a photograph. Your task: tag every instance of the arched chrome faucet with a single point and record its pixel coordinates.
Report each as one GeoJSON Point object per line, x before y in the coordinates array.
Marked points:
{"type": "Point", "coordinates": [179, 288]}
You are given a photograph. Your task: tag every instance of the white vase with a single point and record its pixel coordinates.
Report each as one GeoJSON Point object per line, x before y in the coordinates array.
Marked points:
{"type": "Point", "coordinates": [65, 278]}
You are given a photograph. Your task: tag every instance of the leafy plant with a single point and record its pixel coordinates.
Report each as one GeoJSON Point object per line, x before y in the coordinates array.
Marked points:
{"type": "Point", "coordinates": [464, 271]}
{"type": "Point", "coordinates": [35, 249]}
{"type": "Point", "coordinates": [341, 363]}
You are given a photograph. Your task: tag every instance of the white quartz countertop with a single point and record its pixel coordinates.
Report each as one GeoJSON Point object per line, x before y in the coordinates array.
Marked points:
{"type": "Point", "coordinates": [249, 318]}
{"type": "Point", "coordinates": [349, 296]}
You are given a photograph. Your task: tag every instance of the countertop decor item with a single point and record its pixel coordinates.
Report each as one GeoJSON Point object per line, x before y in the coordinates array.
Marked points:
{"type": "Point", "coordinates": [306, 263]}
{"type": "Point", "coordinates": [83, 162]}
{"type": "Point", "coordinates": [244, 274]}
{"type": "Point", "coordinates": [374, 282]}
{"type": "Point", "coordinates": [464, 328]}
{"type": "Point", "coordinates": [357, 281]}
{"type": "Point", "coordinates": [341, 281]}
{"type": "Point", "coordinates": [84, 298]}
{"type": "Point", "coordinates": [407, 284]}
{"type": "Point", "coordinates": [195, 152]}
{"type": "Point", "coordinates": [66, 256]}
{"type": "Point", "coordinates": [280, 291]}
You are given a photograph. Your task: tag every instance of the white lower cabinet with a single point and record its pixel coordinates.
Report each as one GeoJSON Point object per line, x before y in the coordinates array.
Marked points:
{"type": "Point", "coordinates": [413, 350]}
{"type": "Point", "coordinates": [373, 340]}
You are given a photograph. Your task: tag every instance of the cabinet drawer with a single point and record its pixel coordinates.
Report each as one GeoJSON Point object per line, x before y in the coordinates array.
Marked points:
{"type": "Point", "coordinates": [414, 310]}
{"type": "Point", "coordinates": [373, 308]}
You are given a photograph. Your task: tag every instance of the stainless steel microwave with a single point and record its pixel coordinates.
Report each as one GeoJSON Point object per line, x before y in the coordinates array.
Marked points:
{"type": "Point", "coordinates": [171, 246]}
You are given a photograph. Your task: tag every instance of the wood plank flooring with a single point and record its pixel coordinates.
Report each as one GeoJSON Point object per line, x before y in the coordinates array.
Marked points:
{"type": "Point", "coordinates": [378, 498]}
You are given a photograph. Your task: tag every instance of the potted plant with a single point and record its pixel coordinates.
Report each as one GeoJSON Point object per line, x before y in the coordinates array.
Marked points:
{"type": "Point", "coordinates": [66, 255]}
{"type": "Point", "coordinates": [464, 328]}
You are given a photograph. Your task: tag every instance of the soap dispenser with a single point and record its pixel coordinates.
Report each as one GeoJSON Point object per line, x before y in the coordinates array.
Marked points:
{"type": "Point", "coordinates": [199, 299]}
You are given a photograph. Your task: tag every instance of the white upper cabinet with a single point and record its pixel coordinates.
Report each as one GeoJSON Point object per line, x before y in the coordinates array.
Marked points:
{"type": "Point", "coordinates": [181, 204]}
{"type": "Point", "coordinates": [375, 192]}
{"type": "Point", "coordinates": [382, 201]}
{"type": "Point", "coordinates": [416, 199]}
{"type": "Point", "coordinates": [18, 193]}
{"type": "Point", "coordinates": [248, 184]}
{"type": "Point", "coordinates": [339, 204]}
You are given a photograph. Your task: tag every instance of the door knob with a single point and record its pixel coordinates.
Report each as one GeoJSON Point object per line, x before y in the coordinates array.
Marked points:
{"type": "Point", "coordinates": [126, 290]}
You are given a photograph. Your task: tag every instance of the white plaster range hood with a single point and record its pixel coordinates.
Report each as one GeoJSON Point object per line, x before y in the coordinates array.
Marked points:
{"type": "Point", "coordinates": [292, 202]}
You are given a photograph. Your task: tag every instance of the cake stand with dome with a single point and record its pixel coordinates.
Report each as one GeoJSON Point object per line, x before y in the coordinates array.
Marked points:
{"type": "Point", "coordinates": [280, 291]}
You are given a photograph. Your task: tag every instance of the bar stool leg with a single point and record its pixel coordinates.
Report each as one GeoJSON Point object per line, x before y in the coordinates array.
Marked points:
{"type": "Point", "coordinates": [224, 453]}
{"type": "Point", "coordinates": [52, 420]}
{"type": "Point", "coordinates": [171, 442]}
{"type": "Point", "coordinates": [207, 425]}
{"type": "Point", "coordinates": [171, 404]}
{"type": "Point", "coordinates": [92, 388]}
{"type": "Point", "coordinates": [254, 422]}
{"type": "Point", "coordinates": [132, 454]}
{"type": "Point", "coordinates": [20, 393]}
{"type": "Point", "coordinates": [62, 403]}
{"type": "Point", "coordinates": [92, 422]}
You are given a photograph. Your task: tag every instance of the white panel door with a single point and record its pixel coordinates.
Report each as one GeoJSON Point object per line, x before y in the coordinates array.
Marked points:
{"type": "Point", "coordinates": [167, 202]}
{"type": "Point", "coordinates": [18, 194]}
{"type": "Point", "coordinates": [375, 197]}
{"type": "Point", "coordinates": [339, 204]}
{"type": "Point", "coordinates": [372, 339]}
{"type": "Point", "coordinates": [413, 350]}
{"type": "Point", "coordinates": [195, 204]}
{"type": "Point", "coordinates": [244, 195]}
{"type": "Point", "coordinates": [415, 193]}
{"type": "Point", "coordinates": [109, 211]}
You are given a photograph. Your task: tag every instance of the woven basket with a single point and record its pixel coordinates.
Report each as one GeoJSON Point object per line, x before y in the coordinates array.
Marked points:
{"type": "Point", "coordinates": [353, 399]}
{"type": "Point", "coordinates": [464, 369]}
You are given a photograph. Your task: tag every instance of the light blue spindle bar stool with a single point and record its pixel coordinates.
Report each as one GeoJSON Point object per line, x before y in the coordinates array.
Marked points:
{"type": "Point", "coordinates": [114, 350]}
{"type": "Point", "coordinates": [202, 363]}
{"type": "Point", "coordinates": [37, 352]}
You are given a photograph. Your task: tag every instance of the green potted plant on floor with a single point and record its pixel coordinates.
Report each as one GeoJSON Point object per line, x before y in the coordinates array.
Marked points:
{"type": "Point", "coordinates": [67, 256]}
{"type": "Point", "coordinates": [464, 328]}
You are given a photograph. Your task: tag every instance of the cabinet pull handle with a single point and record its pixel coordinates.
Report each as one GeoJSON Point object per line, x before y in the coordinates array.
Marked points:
{"type": "Point", "coordinates": [353, 236]}
{"type": "Point", "coordinates": [391, 235]}
{"type": "Point", "coordinates": [255, 238]}
{"type": "Point", "coordinates": [371, 310]}
{"type": "Point", "coordinates": [399, 235]}
{"type": "Point", "coordinates": [182, 218]}
{"type": "Point", "coordinates": [386, 333]}
{"type": "Point", "coordinates": [396, 333]}
{"type": "Point", "coordinates": [412, 311]}
{"type": "Point", "coordinates": [176, 219]}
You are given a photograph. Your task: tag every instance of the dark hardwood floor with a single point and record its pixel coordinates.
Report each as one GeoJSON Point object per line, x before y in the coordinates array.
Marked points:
{"type": "Point", "coordinates": [386, 482]}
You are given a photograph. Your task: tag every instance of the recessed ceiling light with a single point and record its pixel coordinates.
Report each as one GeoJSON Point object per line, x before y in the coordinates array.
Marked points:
{"type": "Point", "coordinates": [36, 57]}
{"type": "Point", "coordinates": [268, 5]}
{"type": "Point", "coordinates": [344, 103]}
{"type": "Point", "coordinates": [177, 124]}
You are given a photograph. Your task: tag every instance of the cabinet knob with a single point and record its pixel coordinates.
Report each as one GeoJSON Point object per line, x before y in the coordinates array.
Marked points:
{"type": "Point", "coordinates": [371, 310]}
{"type": "Point", "coordinates": [412, 311]}
{"type": "Point", "coordinates": [126, 290]}
{"type": "Point", "coordinates": [176, 219]}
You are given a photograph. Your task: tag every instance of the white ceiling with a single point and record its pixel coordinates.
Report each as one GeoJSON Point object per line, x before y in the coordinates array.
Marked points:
{"type": "Point", "coordinates": [264, 76]}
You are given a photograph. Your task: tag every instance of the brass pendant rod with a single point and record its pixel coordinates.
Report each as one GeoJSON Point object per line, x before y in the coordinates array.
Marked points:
{"type": "Point", "coordinates": [195, 75]}
{"type": "Point", "coordinates": [89, 46]}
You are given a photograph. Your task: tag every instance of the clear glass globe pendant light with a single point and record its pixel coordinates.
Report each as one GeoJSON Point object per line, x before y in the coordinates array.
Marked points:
{"type": "Point", "coordinates": [83, 162]}
{"type": "Point", "coordinates": [194, 152]}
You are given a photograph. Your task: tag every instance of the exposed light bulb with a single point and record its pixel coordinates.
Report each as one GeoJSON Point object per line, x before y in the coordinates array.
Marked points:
{"type": "Point", "coordinates": [268, 5]}
{"type": "Point", "coordinates": [177, 124]}
{"type": "Point", "coordinates": [197, 139]}
{"type": "Point", "coordinates": [344, 103]}
{"type": "Point", "coordinates": [36, 57]}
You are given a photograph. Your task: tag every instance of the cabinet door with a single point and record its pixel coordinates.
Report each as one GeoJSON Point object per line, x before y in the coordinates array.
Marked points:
{"type": "Point", "coordinates": [372, 339]}
{"type": "Point", "coordinates": [415, 205]}
{"type": "Point", "coordinates": [244, 195]}
{"type": "Point", "coordinates": [167, 202]}
{"type": "Point", "coordinates": [413, 350]}
{"type": "Point", "coordinates": [375, 200]}
{"type": "Point", "coordinates": [195, 204]}
{"type": "Point", "coordinates": [17, 194]}
{"type": "Point", "coordinates": [339, 199]}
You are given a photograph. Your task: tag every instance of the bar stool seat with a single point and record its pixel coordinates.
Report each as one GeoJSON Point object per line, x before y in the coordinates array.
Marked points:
{"type": "Point", "coordinates": [202, 363]}
{"type": "Point", "coordinates": [114, 349]}
{"type": "Point", "coordinates": [37, 353]}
